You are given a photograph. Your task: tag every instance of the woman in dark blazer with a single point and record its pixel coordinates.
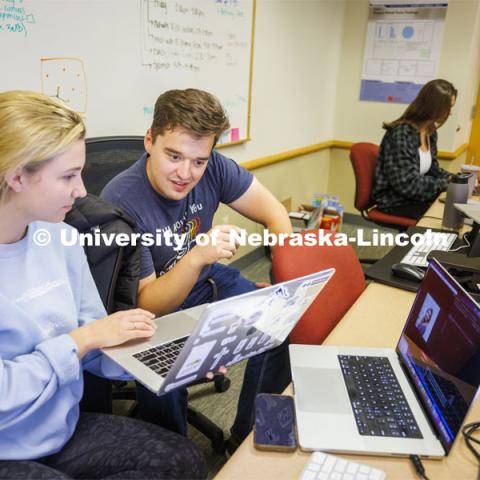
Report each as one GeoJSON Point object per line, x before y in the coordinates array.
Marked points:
{"type": "Point", "coordinates": [408, 177]}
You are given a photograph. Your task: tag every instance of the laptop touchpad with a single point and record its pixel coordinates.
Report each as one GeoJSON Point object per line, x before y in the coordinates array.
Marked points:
{"type": "Point", "coordinates": [321, 390]}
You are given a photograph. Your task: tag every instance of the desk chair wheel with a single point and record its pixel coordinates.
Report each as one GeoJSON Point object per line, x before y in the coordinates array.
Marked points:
{"type": "Point", "coordinates": [222, 383]}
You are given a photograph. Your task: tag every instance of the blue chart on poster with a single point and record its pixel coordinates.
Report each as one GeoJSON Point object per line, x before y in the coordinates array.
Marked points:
{"type": "Point", "coordinates": [408, 32]}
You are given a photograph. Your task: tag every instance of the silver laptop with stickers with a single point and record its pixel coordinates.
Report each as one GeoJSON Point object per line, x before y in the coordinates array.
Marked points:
{"type": "Point", "coordinates": [190, 343]}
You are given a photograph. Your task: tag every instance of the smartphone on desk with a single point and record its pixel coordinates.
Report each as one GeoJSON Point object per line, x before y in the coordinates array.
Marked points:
{"type": "Point", "coordinates": [275, 426]}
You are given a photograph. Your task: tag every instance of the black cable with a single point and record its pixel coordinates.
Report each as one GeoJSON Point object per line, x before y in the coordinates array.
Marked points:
{"type": "Point", "coordinates": [468, 432]}
{"type": "Point", "coordinates": [467, 244]}
{"type": "Point", "coordinates": [429, 216]}
{"type": "Point", "coordinates": [418, 466]}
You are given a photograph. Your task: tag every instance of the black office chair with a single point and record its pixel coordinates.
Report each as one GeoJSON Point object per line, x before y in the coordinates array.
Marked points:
{"type": "Point", "coordinates": [105, 158]}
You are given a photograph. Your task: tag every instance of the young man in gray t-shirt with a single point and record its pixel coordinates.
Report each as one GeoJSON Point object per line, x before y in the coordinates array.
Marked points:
{"type": "Point", "coordinates": [175, 189]}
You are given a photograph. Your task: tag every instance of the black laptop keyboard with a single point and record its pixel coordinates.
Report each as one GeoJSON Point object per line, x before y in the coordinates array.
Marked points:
{"type": "Point", "coordinates": [377, 400]}
{"type": "Point", "coordinates": [161, 358]}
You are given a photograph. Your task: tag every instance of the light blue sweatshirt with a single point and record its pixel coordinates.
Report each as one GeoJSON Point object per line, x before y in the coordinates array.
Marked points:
{"type": "Point", "coordinates": [45, 292]}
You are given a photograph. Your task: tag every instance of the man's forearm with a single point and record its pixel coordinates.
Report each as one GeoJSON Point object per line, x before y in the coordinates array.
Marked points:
{"type": "Point", "coordinates": [280, 225]}
{"type": "Point", "coordinates": [280, 222]}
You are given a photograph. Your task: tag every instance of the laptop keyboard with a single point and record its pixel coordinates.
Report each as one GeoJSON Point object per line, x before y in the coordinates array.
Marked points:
{"type": "Point", "coordinates": [417, 255]}
{"type": "Point", "coordinates": [379, 405]}
{"type": "Point", "coordinates": [161, 358]}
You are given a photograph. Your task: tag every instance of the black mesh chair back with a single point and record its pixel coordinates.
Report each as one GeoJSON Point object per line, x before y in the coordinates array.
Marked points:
{"type": "Point", "coordinates": [107, 157]}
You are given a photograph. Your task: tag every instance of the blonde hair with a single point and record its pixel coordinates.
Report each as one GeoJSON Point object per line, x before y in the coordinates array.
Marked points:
{"type": "Point", "coordinates": [34, 128]}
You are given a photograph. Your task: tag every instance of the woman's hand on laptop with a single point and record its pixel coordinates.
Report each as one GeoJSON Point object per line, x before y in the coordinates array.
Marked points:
{"type": "Point", "coordinates": [114, 330]}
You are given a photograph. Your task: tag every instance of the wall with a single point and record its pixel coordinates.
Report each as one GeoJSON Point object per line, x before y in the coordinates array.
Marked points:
{"type": "Point", "coordinates": [471, 84]}
{"type": "Point", "coordinates": [295, 67]}
{"type": "Point", "coordinates": [297, 52]}
{"type": "Point", "coordinates": [458, 63]}
{"type": "Point", "coordinates": [294, 179]}
{"type": "Point", "coordinates": [361, 121]}
{"type": "Point", "coordinates": [306, 79]}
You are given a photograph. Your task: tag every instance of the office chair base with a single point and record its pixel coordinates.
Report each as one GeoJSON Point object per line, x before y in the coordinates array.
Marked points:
{"type": "Point", "coordinates": [208, 428]}
{"type": "Point", "coordinates": [368, 261]}
{"type": "Point", "coordinates": [222, 383]}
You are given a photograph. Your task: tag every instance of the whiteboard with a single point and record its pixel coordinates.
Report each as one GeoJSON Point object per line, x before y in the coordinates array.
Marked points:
{"type": "Point", "coordinates": [111, 59]}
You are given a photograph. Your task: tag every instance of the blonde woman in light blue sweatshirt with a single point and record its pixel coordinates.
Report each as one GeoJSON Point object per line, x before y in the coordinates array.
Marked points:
{"type": "Point", "coordinates": [52, 321]}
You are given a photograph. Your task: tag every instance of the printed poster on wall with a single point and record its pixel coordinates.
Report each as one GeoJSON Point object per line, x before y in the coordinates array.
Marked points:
{"type": "Point", "coordinates": [402, 48]}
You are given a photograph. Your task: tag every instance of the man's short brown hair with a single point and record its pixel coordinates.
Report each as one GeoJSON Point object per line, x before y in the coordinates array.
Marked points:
{"type": "Point", "coordinates": [197, 111]}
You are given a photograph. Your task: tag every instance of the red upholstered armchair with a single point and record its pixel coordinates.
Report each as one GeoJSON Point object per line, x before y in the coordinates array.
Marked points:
{"type": "Point", "coordinates": [364, 159]}
{"type": "Point", "coordinates": [335, 299]}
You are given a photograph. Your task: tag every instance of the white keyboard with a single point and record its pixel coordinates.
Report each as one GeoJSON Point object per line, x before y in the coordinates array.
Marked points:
{"type": "Point", "coordinates": [323, 466]}
{"type": "Point", "coordinates": [417, 255]}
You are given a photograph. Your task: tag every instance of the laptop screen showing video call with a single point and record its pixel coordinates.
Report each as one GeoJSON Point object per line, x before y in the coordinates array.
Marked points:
{"type": "Point", "coordinates": [440, 348]}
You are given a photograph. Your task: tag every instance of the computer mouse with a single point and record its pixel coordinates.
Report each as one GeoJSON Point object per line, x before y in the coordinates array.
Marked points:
{"type": "Point", "coordinates": [409, 272]}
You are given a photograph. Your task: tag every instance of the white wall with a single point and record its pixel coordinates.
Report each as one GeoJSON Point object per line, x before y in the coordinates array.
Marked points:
{"type": "Point", "coordinates": [468, 92]}
{"type": "Point", "coordinates": [306, 82]}
{"type": "Point", "coordinates": [458, 61]}
{"type": "Point", "coordinates": [293, 180]}
{"type": "Point", "coordinates": [295, 69]}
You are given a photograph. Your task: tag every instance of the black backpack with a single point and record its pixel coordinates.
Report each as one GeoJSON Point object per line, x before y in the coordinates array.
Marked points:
{"type": "Point", "coordinates": [115, 269]}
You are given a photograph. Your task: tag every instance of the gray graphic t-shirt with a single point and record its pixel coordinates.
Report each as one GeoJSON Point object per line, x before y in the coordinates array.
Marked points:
{"type": "Point", "coordinates": [180, 220]}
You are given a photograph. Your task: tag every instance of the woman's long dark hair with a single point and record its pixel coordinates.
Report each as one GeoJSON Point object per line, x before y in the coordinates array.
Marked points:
{"type": "Point", "coordinates": [431, 107]}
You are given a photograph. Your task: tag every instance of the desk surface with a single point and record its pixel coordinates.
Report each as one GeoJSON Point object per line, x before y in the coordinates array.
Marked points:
{"type": "Point", "coordinates": [433, 216]}
{"type": "Point", "coordinates": [375, 320]}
